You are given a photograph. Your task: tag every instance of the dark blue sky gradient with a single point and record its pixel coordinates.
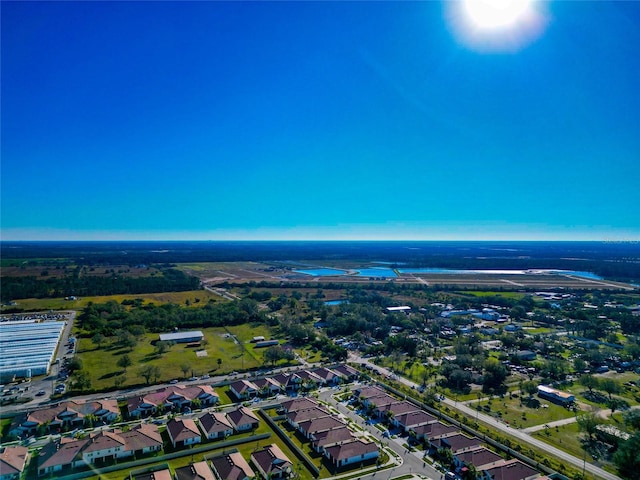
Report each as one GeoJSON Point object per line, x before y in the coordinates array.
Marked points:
{"type": "Point", "coordinates": [211, 120]}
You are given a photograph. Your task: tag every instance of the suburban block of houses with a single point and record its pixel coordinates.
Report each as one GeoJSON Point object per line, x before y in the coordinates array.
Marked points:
{"type": "Point", "coordinates": [328, 433]}
{"type": "Point", "coordinates": [68, 453]}
{"type": "Point", "coordinates": [292, 382]}
{"type": "Point", "coordinates": [176, 397]}
{"type": "Point", "coordinates": [65, 415]}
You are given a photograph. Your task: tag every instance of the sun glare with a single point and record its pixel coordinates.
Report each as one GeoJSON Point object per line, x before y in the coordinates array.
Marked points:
{"type": "Point", "coordinates": [496, 13]}
{"type": "Point", "coordinates": [496, 25]}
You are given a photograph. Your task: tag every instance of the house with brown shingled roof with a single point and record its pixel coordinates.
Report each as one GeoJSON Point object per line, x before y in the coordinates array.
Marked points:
{"type": "Point", "coordinates": [175, 397]}
{"type": "Point", "coordinates": [71, 414]}
{"type": "Point", "coordinates": [477, 457]}
{"type": "Point", "coordinates": [183, 432]}
{"type": "Point", "coordinates": [243, 419]}
{"type": "Point", "coordinates": [395, 408]}
{"type": "Point", "coordinates": [296, 418]}
{"type": "Point", "coordinates": [410, 420]}
{"type": "Point", "coordinates": [69, 453]}
{"type": "Point", "coordinates": [195, 471]}
{"type": "Point", "coordinates": [328, 438]}
{"type": "Point", "coordinates": [12, 462]}
{"type": "Point", "coordinates": [232, 466]}
{"type": "Point", "coordinates": [508, 470]}
{"type": "Point", "coordinates": [354, 451]}
{"type": "Point", "coordinates": [272, 463]}
{"type": "Point", "coordinates": [299, 403]}
{"type": "Point", "coordinates": [311, 427]}
{"type": "Point", "coordinates": [244, 389]}
{"type": "Point", "coordinates": [429, 431]}
{"type": "Point", "coordinates": [215, 425]}
{"type": "Point", "coordinates": [346, 372]}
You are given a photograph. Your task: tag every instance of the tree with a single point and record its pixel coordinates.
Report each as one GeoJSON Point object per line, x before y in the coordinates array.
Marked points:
{"type": "Point", "coordinates": [590, 382]}
{"type": "Point", "coordinates": [587, 423]}
{"type": "Point", "coordinates": [75, 364]}
{"type": "Point", "coordinates": [530, 388]}
{"type": "Point", "coordinates": [98, 339]}
{"type": "Point", "coordinates": [124, 362]}
{"type": "Point", "coordinates": [162, 347]}
{"type": "Point", "coordinates": [579, 365]}
{"type": "Point", "coordinates": [610, 386]}
{"type": "Point", "coordinates": [126, 339]}
{"type": "Point", "coordinates": [81, 381]}
{"type": "Point", "coordinates": [149, 371]}
{"type": "Point", "coordinates": [219, 362]}
{"type": "Point", "coordinates": [495, 373]}
{"type": "Point", "coordinates": [627, 458]}
{"type": "Point", "coordinates": [119, 380]}
{"type": "Point", "coordinates": [632, 419]}
{"type": "Point", "coordinates": [185, 368]}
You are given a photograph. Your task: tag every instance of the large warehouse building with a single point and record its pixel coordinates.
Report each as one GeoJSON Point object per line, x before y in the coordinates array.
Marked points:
{"type": "Point", "coordinates": [182, 337]}
{"type": "Point", "coordinates": [28, 348]}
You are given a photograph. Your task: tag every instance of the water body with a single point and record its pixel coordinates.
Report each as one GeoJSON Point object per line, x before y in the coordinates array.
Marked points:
{"type": "Point", "coordinates": [376, 272]}
{"type": "Point", "coordinates": [448, 271]}
{"type": "Point", "coordinates": [322, 272]}
{"type": "Point", "coordinates": [336, 302]}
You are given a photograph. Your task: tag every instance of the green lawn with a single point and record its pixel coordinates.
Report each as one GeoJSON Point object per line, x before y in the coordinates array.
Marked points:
{"type": "Point", "coordinates": [567, 438]}
{"type": "Point", "coordinates": [43, 304]}
{"type": "Point", "coordinates": [520, 415]}
{"type": "Point", "coordinates": [101, 363]}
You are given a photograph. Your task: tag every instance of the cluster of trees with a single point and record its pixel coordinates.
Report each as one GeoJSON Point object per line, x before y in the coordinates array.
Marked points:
{"type": "Point", "coordinates": [170, 280]}
{"type": "Point", "coordinates": [626, 457]}
{"type": "Point", "coordinates": [473, 365]}
{"type": "Point", "coordinates": [112, 319]}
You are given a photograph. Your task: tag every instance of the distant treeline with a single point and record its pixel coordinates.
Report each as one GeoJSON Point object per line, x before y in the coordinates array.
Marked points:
{"type": "Point", "coordinates": [613, 260]}
{"type": "Point", "coordinates": [170, 280]}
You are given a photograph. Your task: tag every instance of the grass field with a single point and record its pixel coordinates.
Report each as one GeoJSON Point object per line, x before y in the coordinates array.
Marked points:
{"type": "Point", "coordinates": [101, 363]}
{"type": "Point", "coordinates": [521, 416]}
{"type": "Point", "coordinates": [513, 295]}
{"type": "Point", "coordinates": [44, 304]}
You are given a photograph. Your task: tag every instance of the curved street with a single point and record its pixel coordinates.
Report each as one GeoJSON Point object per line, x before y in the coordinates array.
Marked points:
{"type": "Point", "coordinates": [494, 423]}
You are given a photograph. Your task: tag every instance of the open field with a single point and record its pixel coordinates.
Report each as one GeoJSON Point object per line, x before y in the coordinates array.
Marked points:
{"type": "Point", "coordinates": [241, 272]}
{"type": "Point", "coordinates": [196, 298]}
{"type": "Point", "coordinates": [519, 415]}
{"type": "Point", "coordinates": [101, 363]}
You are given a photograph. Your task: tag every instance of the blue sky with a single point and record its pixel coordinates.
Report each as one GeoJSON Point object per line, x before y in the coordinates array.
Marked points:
{"type": "Point", "coordinates": [328, 120]}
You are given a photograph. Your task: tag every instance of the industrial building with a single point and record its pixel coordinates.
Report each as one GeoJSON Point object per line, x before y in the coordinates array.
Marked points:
{"type": "Point", "coordinates": [182, 337]}
{"type": "Point", "coordinates": [28, 348]}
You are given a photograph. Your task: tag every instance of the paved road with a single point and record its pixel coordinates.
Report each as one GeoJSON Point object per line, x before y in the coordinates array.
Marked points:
{"type": "Point", "coordinates": [499, 425]}
{"type": "Point", "coordinates": [412, 462]}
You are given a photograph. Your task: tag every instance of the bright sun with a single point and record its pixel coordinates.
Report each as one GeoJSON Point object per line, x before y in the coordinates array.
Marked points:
{"type": "Point", "coordinates": [496, 25]}
{"type": "Point", "coordinates": [496, 14]}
